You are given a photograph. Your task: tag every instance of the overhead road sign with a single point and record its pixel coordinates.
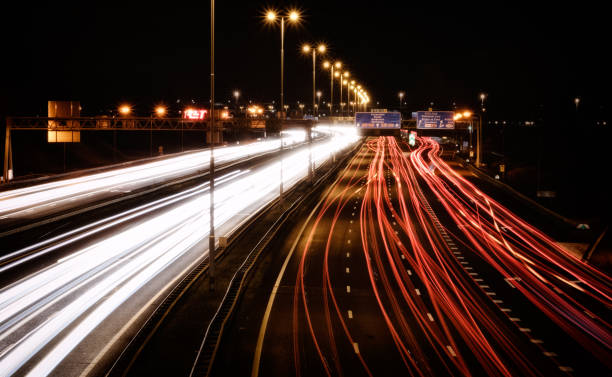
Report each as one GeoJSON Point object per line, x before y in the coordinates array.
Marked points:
{"type": "Point", "coordinates": [378, 120]}
{"type": "Point", "coordinates": [432, 120]}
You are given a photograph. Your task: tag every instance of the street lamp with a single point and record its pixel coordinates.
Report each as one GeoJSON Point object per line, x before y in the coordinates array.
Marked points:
{"type": "Point", "coordinates": [468, 115]}
{"type": "Point", "coordinates": [331, 66]}
{"type": "Point", "coordinates": [292, 16]}
{"type": "Point", "coordinates": [236, 96]}
{"type": "Point", "coordinates": [342, 77]}
{"type": "Point", "coordinates": [482, 98]}
{"type": "Point", "coordinates": [401, 97]}
{"type": "Point", "coordinates": [319, 94]}
{"type": "Point", "coordinates": [125, 110]}
{"type": "Point", "coordinates": [321, 49]}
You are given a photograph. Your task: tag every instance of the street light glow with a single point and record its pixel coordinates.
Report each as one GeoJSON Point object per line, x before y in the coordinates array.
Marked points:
{"type": "Point", "coordinates": [270, 16]}
{"type": "Point", "coordinates": [326, 64]}
{"type": "Point", "coordinates": [306, 48]}
{"type": "Point", "coordinates": [160, 111]}
{"type": "Point", "coordinates": [338, 65]}
{"type": "Point", "coordinates": [322, 48]}
{"type": "Point", "coordinates": [467, 114]}
{"type": "Point", "coordinates": [294, 16]}
{"type": "Point", "coordinates": [125, 109]}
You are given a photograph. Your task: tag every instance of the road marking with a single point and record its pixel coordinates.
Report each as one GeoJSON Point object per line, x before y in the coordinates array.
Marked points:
{"type": "Point", "coordinates": [451, 351]}
{"type": "Point", "coordinates": [479, 279]}
{"type": "Point", "coordinates": [506, 310]}
{"type": "Point", "coordinates": [473, 273]}
{"type": "Point", "coordinates": [417, 291]}
{"type": "Point", "coordinates": [550, 354]}
{"type": "Point", "coordinates": [348, 255]}
{"type": "Point", "coordinates": [469, 268]}
{"type": "Point", "coordinates": [350, 314]}
{"type": "Point", "coordinates": [351, 221]}
{"type": "Point", "coordinates": [348, 271]}
{"type": "Point", "coordinates": [524, 329]}
{"type": "Point", "coordinates": [350, 231]}
{"type": "Point", "coordinates": [537, 341]}
{"type": "Point", "coordinates": [356, 347]}
{"type": "Point", "coordinates": [409, 272]}
{"type": "Point", "coordinates": [498, 301]}
{"type": "Point", "coordinates": [491, 293]}
{"type": "Point", "coordinates": [353, 214]}
{"type": "Point", "coordinates": [266, 317]}
{"type": "Point", "coordinates": [348, 241]}
{"type": "Point", "coordinates": [402, 256]}
{"type": "Point", "coordinates": [348, 289]}
{"type": "Point", "coordinates": [515, 319]}
{"type": "Point", "coordinates": [431, 318]}
{"type": "Point", "coordinates": [566, 369]}
{"type": "Point", "coordinates": [483, 286]}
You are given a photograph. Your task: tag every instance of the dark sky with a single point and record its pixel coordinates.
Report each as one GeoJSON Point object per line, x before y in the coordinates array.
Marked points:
{"type": "Point", "coordinates": [523, 55]}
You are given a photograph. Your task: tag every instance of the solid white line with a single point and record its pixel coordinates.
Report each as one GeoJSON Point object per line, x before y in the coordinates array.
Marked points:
{"type": "Point", "coordinates": [348, 289]}
{"type": "Point", "coordinates": [264, 322]}
{"type": "Point", "coordinates": [348, 255]}
{"type": "Point", "coordinates": [348, 241]}
{"type": "Point", "coordinates": [452, 352]}
{"type": "Point", "coordinates": [431, 318]}
{"type": "Point", "coordinates": [350, 314]}
{"type": "Point", "coordinates": [356, 347]}
{"type": "Point", "coordinates": [348, 271]}
{"type": "Point", "coordinates": [417, 291]}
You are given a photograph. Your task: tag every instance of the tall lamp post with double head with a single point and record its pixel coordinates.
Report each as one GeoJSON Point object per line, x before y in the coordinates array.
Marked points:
{"type": "Point", "coordinates": [321, 50]}
{"type": "Point", "coordinates": [332, 66]}
{"type": "Point", "coordinates": [292, 16]}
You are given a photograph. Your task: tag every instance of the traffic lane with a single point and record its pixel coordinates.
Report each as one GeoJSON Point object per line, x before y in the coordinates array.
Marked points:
{"type": "Point", "coordinates": [550, 225]}
{"type": "Point", "coordinates": [530, 330]}
{"type": "Point", "coordinates": [279, 338]}
{"type": "Point", "coordinates": [25, 205]}
{"type": "Point", "coordinates": [529, 319]}
{"type": "Point", "coordinates": [19, 244]}
{"type": "Point", "coordinates": [539, 334]}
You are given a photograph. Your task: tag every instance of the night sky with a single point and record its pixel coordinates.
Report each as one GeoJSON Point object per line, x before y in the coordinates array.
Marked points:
{"type": "Point", "coordinates": [526, 57]}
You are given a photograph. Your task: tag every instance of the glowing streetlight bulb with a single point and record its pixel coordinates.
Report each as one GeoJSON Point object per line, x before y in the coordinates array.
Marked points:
{"type": "Point", "coordinates": [125, 109]}
{"type": "Point", "coordinates": [467, 114]}
{"type": "Point", "coordinates": [294, 16]}
{"type": "Point", "coordinates": [271, 16]}
{"type": "Point", "coordinates": [306, 48]}
{"type": "Point", "coordinates": [338, 65]}
{"type": "Point", "coordinates": [322, 48]}
{"type": "Point", "coordinates": [326, 64]}
{"type": "Point", "coordinates": [160, 111]}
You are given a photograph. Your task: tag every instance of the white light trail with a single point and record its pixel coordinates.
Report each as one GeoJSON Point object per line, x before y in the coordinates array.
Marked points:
{"type": "Point", "coordinates": [46, 314]}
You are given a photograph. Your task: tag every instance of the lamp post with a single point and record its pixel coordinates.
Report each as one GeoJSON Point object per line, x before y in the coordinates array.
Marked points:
{"type": "Point", "coordinates": [293, 16]}
{"type": "Point", "coordinates": [318, 101]}
{"type": "Point", "coordinates": [236, 96]}
{"type": "Point", "coordinates": [401, 97]}
{"type": "Point", "coordinates": [482, 98]}
{"type": "Point", "coordinates": [468, 115]}
{"type": "Point", "coordinates": [211, 173]}
{"type": "Point", "coordinates": [321, 49]}
{"type": "Point", "coordinates": [333, 74]}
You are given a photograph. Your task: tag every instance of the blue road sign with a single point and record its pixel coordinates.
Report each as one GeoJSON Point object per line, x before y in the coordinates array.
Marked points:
{"type": "Point", "coordinates": [443, 120]}
{"type": "Point", "coordinates": [374, 120]}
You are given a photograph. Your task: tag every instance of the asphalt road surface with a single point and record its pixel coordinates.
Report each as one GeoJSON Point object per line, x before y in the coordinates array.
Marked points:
{"type": "Point", "coordinates": [404, 267]}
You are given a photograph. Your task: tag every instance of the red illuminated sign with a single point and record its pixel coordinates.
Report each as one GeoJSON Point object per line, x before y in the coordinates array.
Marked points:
{"type": "Point", "coordinates": [195, 114]}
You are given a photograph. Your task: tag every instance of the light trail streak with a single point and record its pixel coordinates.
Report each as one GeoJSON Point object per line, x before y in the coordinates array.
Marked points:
{"type": "Point", "coordinates": [415, 276]}
{"type": "Point", "coordinates": [29, 200]}
{"type": "Point", "coordinates": [45, 315]}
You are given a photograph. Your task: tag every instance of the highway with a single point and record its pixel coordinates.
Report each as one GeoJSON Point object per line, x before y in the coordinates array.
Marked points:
{"type": "Point", "coordinates": [74, 294]}
{"type": "Point", "coordinates": [404, 267]}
